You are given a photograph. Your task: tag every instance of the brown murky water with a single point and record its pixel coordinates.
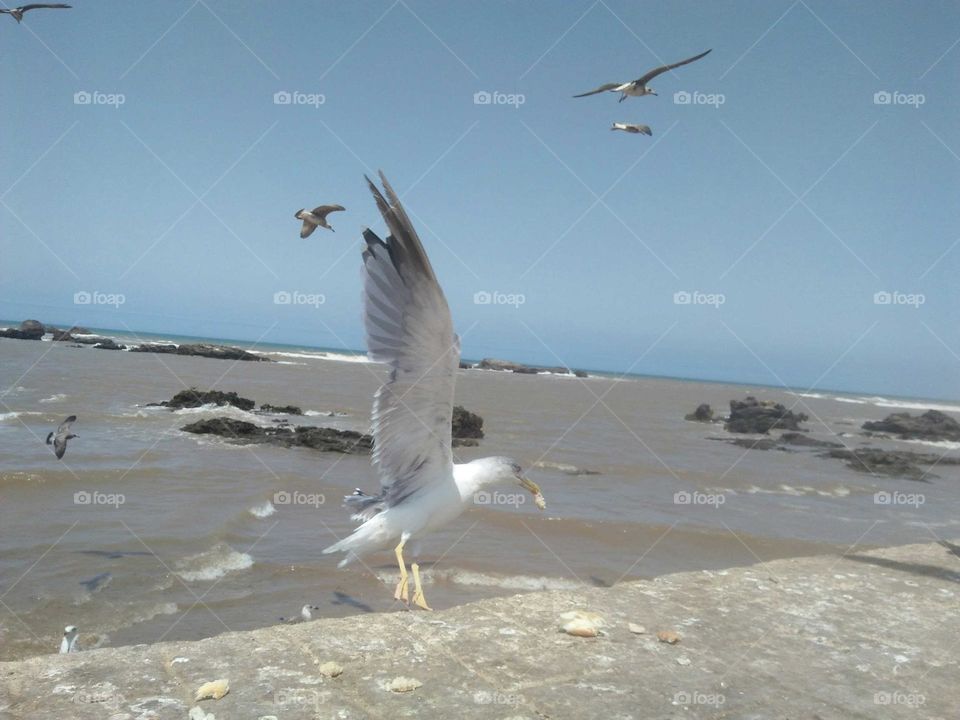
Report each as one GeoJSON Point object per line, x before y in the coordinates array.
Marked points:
{"type": "Point", "coordinates": [147, 533]}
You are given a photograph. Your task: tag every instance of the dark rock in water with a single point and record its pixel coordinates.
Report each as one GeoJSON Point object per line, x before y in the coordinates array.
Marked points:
{"type": "Point", "coordinates": [91, 339]}
{"type": "Point", "coordinates": [507, 365]}
{"type": "Point", "coordinates": [580, 373]}
{"type": "Point", "coordinates": [163, 348]}
{"type": "Point", "coordinates": [795, 438]}
{"type": "Point", "coordinates": [324, 439]}
{"type": "Point", "coordinates": [932, 425]}
{"type": "Point", "coordinates": [194, 398]}
{"type": "Point", "coordinates": [703, 413]}
{"type": "Point", "coordinates": [110, 344]}
{"type": "Point", "coordinates": [753, 416]}
{"type": "Point", "coordinates": [28, 330]}
{"type": "Point", "coordinates": [899, 463]}
{"type": "Point", "coordinates": [219, 352]}
{"type": "Point", "coordinates": [281, 409]}
{"type": "Point", "coordinates": [466, 424]}
{"type": "Point", "coordinates": [758, 444]}
{"type": "Point", "coordinates": [464, 365]}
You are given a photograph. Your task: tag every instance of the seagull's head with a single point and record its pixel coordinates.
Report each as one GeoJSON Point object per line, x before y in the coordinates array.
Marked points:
{"type": "Point", "coordinates": [651, 91]}
{"type": "Point", "coordinates": [70, 631]}
{"type": "Point", "coordinates": [503, 470]}
{"type": "Point", "coordinates": [299, 214]}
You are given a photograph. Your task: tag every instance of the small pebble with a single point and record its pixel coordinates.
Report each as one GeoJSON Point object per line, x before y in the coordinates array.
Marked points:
{"type": "Point", "coordinates": [668, 636]}
{"type": "Point", "coordinates": [215, 689]}
{"type": "Point", "coordinates": [683, 660]}
{"type": "Point", "coordinates": [197, 713]}
{"type": "Point", "coordinates": [637, 629]}
{"type": "Point", "coordinates": [403, 684]}
{"type": "Point", "coordinates": [331, 669]}
{"type": "Point", "coordinates": [580, 628]}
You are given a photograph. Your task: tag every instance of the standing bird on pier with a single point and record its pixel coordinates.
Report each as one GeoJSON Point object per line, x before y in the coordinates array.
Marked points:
{"type": "Point", "coordinates": [17, 12]}
{"type": "Point", "coordinates": [409, 328]}
{"type": "Point", "coordinates": [638, 87]}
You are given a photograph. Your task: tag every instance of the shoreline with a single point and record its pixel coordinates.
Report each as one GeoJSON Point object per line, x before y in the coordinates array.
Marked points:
{"type": "Point", "coordinates": [854, 635]}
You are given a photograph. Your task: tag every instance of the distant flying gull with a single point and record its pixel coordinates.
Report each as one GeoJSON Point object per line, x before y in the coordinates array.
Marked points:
{"type": "Point", "coordinates": [69, 642]}
{"type": "Point", "coordinates": [638, 87]}
{"type": "Point", "coordinates": [312, 219]}
{"type": "Point", "coordinates": [409, 328]}
{"type": "Point", "coordinates": [627, 127]}
{"type": "Point", "coordinates": [59, 438]}
{"type": "Point", "coordinates": [18, 12]}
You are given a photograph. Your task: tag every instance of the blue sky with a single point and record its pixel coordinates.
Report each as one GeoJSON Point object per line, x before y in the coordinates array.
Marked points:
{"type": "Point", "coordinates": [794, 202]}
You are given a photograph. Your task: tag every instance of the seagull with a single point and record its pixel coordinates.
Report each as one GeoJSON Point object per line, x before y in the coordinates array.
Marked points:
{"type": "Point", "coordinates": [59, 438]}
{"type": "Point", "coordinates": [18, 12]}
{"type": "Point", "coordinates": [408, 327]}
{"type": "Point", "coordinates": [316, 217]}
{"type": "Point", "coordinates": [69, 642]}
{"type": "Point", "coordinates": [627, 127]}
{"type": "Point", "coordinates": [638, 87]}
{"type": "Point", "coordinates": [306, 613]}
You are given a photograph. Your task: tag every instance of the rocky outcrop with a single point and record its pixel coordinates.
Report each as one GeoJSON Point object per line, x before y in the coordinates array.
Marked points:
{"type": "Point", "coordinates": [28, 330]}
{"type": "Point", "coordinates": [520, 368]}
{"type": "Point", "coordinates": [754, 416]}
{"type": "Point", "coordinates": [703, 413]}
{"type": "Point", "coordinates": [466, 424]}
{"type": "Point", "coordinates": [932, 425]}
{"type": "Point", "coordinates": [109, 344]}
{"type": "Point", "coordinates": [281, 409]}
{"type": "Point", "coordinates": [899, 463]}
{"type": "Point", "coordinates": [245, 433]}
{"type": "Point", "coordinates": [90, 339]}
{"type": "Point", "coordinates": [193, 398]}
{"type": "Point", "coordinates": [218, 352]}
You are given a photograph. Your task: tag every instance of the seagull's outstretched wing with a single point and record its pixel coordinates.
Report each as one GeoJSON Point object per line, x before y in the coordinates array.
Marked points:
{"type": "Point", "coordinates": [60, 439]}
{"type": "Point", "coordinates": [409, 328]}
{"type": "Point", "coordinates": [324, 210]}
{"type": "Point", "coordinates": [48, 6]}
{"type": "Point", "coordinates": [664, 68]}
{"type": "Point", "coordinates": [602, 88]}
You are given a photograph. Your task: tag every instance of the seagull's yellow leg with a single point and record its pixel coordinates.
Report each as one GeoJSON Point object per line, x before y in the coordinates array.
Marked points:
{"type": "Point", "coordinates": [418, 597]}
{"type": "Point", "coordinates": [401, 593]}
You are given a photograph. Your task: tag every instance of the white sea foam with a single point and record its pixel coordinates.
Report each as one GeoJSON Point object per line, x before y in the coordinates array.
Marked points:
{"type": "Point", "coordinates": [229, 411]}
{"type": "Point", "coordinates": [263, 510]}
{"type": "Point", "coordinates": [941, 444]}
{"type": "Point", "coordinates": [853, 401]}
{"type": "Point", "coordinates": [17, 413]}
{"type": "Point", "coordinates": [911, 404]}
{"type": "Point", "coordinates": [54, 398]}
{"type": "Point", "coordinates": [507, 582]}
{"type": "Point", "coordinates": [213, 563]}
{"type": "Point", "coordinates": [318, 355]}
{"type": "Point", "coordinates": [327, 413]}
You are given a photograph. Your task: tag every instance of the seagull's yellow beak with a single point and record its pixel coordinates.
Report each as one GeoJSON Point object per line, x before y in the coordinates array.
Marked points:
{"type": "Point", "coordinates": [534, 489]}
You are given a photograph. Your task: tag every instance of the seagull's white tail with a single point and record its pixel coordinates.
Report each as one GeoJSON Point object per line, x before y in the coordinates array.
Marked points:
{"type": "Point", "coordinates": [357, 543]}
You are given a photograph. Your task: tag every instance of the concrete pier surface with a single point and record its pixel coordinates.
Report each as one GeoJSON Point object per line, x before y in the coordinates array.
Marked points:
{"type": "Point", "coordinates": [865, 635]}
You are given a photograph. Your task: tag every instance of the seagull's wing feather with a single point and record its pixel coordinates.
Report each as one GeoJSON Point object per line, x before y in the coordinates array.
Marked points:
{"type": "Point", "coordinates": [60, 439]}
{"type": "Point", "coordinates": [409, 328]}
{"type": "Point", "coordinates": [664, 68]}
{"type": "Point", "coordinates": [324, 210]}
{"type": "Point", "coordinates": [307, 228]}
{"type": "Point", "coordinates": [64, 428]}
{"type": "Point", "coordinates": [602, 88]}
{"type": "Point", "coordinates": [35, 6]}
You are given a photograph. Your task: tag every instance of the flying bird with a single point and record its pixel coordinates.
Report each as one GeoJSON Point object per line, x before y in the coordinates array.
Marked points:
{"type": "Point", "coordinates": [18, 12]}
{"type": "Point", "coordinates": [638, 87]}
{"type": "Point", "coordinates": [69, 642]}
{"type": "Point", "coordinates": [312, 219]}
{"type": "Point", "coordinates": [627, 127]}
{"type": "Point", "coordinates": [408, 327]}
{"type": "Point", "coordinates": [59, 438]}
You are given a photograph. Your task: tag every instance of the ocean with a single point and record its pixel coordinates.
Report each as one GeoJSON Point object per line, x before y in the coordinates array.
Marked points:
{"type": "Point", "coordinates": [146, 533]}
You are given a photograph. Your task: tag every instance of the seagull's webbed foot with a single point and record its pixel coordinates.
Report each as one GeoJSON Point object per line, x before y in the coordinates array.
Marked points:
{"type": "Point", "coordinates": [418, 597]}
{"type": "Point", "coordinates": [402, 592]}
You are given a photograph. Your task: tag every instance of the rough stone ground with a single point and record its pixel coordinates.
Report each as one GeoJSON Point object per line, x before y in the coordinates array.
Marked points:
{"type": "Point", "coordinates": [865, 635]}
